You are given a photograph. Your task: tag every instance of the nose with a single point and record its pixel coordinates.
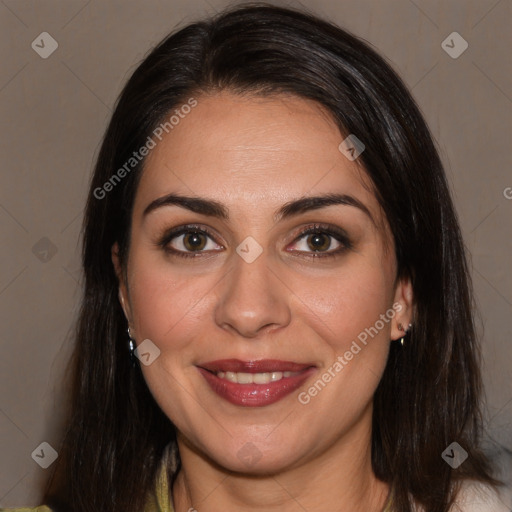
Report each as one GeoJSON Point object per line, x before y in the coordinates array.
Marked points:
{"type": "Point", "coordinates": [253, 300]}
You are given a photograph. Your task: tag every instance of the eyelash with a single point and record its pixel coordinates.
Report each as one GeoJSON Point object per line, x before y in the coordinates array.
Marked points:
{"type": "Point", "coordinates": [315, 229]}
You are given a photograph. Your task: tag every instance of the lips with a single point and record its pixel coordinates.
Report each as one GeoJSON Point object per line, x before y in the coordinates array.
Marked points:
{"type": "Point", "coordinates": [254, 383]}
{"type": "Point", "coordinates": [260, 366]}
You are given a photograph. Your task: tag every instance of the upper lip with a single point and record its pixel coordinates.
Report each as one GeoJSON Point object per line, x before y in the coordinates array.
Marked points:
{"type": "Point", "coordinates": [259, 366]}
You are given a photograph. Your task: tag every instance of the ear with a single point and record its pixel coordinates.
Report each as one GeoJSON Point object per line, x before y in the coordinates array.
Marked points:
{"type": "Point", "coordinates": [123, 287]}
{"type": "Point", "coordinates": [404, 306]}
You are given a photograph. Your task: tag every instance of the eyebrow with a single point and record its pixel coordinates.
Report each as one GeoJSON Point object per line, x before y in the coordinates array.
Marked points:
{"type": "Point", "coordinates": [212, 208]}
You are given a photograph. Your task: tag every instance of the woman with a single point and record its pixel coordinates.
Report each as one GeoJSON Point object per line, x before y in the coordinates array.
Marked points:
{"type": "Point", "coordinates": [277, 310]}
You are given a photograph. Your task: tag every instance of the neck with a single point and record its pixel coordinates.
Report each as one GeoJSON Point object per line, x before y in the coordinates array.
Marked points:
{"type": "Point", "coordinates": [340, 479]}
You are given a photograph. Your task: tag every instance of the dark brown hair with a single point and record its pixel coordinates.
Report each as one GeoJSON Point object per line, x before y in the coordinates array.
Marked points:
{"type": "Point", "coordinates": [429, 394]}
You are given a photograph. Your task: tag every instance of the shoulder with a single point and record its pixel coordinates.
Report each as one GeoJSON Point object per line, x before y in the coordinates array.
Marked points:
{"type": "Point", "coordinates": [478, 497]}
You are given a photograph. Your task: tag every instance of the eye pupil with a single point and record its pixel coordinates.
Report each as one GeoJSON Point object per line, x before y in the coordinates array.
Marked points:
{"type": "Point", "coordinates": [193, 241]}
{"type": "Point", "coordinates": [316, 241]}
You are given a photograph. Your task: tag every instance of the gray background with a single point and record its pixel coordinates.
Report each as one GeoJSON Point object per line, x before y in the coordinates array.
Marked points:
{"type": "Point", "coordinates": [54, 112]}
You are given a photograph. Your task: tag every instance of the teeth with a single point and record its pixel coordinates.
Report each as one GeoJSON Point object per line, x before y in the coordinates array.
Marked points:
{"type": "Point", "coordinates": [244, 378]}
{"type": "Point", "coordinates": [256, 378]}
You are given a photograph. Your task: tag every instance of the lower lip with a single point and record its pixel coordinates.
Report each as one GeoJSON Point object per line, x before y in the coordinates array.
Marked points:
{"type": "Point", "coordinates": [255, 395]}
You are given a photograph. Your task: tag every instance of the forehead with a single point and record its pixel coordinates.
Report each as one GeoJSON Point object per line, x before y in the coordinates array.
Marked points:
{"type": "Point", "coordinates": [252, 151]}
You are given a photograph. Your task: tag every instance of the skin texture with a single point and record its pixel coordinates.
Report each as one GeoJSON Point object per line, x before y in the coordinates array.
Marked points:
{"type": "Point", "coordinates": [255, 154]}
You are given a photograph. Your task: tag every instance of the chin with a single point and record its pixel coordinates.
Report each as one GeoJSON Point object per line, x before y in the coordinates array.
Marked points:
{"type": "Point", "coordinates": [247, 458]}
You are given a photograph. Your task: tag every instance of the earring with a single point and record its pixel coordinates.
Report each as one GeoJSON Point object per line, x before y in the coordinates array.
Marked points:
{"type": "Point", "coordinates": [131, 348]}
{"type": "Point", "coordinates": [401, 328]}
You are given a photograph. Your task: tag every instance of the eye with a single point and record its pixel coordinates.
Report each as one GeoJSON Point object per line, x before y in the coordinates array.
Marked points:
{"type": "Point", "coordinates": [318, 239]}
{"type": "Point", "coordinates": [193, 240]}
{"type": "Point", "coordinates": [184, 241]}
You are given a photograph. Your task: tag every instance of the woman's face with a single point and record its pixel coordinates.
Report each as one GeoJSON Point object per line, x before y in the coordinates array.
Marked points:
{"type": "Point", "coordinates": [248, 295]}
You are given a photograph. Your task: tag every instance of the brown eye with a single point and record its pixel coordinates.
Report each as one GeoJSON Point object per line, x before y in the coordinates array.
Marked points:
{"type": "Point", "coordinates": [194, 241]}
{"type": "Point", "coordinates": [188, 241]}
{"type": "Point", "coordinates": [319, 242]}
{"type": "Point", "coordinates": [322, 241]}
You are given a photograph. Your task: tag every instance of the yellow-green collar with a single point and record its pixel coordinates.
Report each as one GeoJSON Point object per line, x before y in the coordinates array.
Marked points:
{"type": "Point", "coordinates": [160, 500]}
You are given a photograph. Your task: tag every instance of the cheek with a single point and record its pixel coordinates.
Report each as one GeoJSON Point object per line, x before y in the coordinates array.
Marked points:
{"type": "Point", "coordinates": [348, 303]}
{"type": "Point", "coordinates": [347, 313]}
{"type": "Point", "coordinates": [165, 303]}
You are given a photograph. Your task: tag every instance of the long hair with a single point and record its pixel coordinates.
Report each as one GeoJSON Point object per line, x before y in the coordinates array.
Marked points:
{"type": "Point", "coordinates": [429, 394]}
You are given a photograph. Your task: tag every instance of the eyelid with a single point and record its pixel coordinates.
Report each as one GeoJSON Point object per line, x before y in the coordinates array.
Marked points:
{"type": "Point", "coordinates": [173, 233]}
{"type": "Point", "coordinates": [339, 234]}
{"type": "Point", "coordinates": [335, 232]}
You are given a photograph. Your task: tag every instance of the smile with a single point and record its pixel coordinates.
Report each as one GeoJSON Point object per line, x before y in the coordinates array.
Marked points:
{"type": "Point", "coordinates": [254, 383]}
{"type": "Point", "coordinates": [254, 378]}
